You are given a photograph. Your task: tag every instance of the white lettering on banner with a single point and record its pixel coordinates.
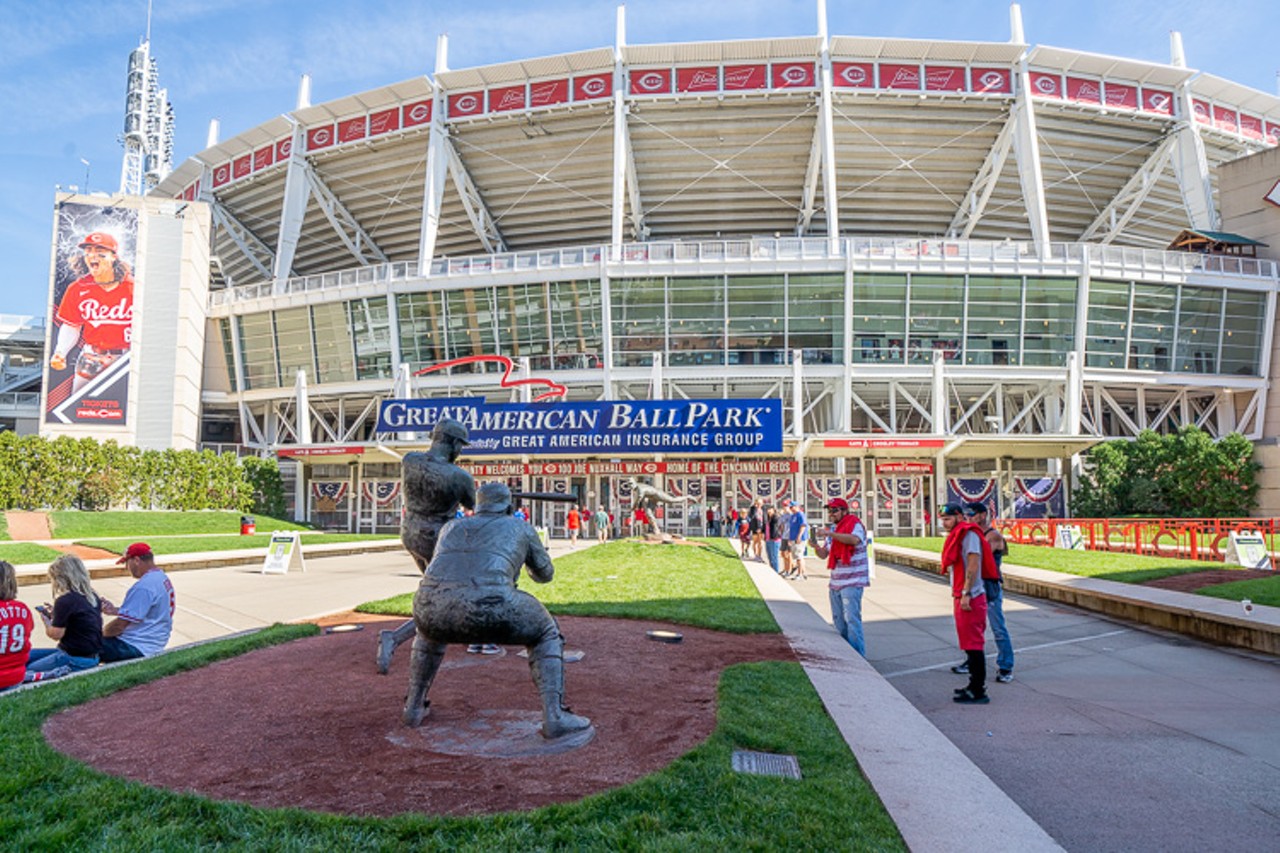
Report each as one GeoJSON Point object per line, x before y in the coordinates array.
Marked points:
{"type": "Point", "coordinates": [1047, 85]}
{"type": "Point", "coordinates": [321, 137]}
{"type": "Point", "coordinates": [285, 149]}
{"type": "Point", "coordinates": [220, 174]}
{"type": "Point", "coordinates": [593, 87]}
{"type": "Point", "coordinates": [468, 103]}
{"type": "Point", "coordinates": [905, 77]}
{"type": "Point", "coordinates": [854, 74]}
{"type": "Point", "coordinates": [795, 74]}
{"type": "Point", "coordinates": [93, 311]}
{"type": "Point", "coordinates": [511, 98]}
{"type": "Point", "coordinates": [651, 81]}
{"type": "Point", "coordinates": [939, 78]}
{"type": "Point", "coordinates": [991, 80]}
{"type": "Point", "coordinates": [702, 78]}
{"type": "Point", "coordinates": [738, 78]}
{"type": "Point", "coordinates": [419, 113]}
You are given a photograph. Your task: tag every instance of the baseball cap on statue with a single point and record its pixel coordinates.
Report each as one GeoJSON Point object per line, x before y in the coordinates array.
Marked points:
{"type": "Point", "coordinates": [493, 497]}
{"type": "Point", "coordinates": [137, 549]}
{"type": "Point", "coordinates": [452, 429]}
{"type": "Point", "coordinates": [102, 241]}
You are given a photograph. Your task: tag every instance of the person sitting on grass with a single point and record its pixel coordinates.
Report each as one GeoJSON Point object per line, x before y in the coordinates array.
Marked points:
{"type": "Point", "coordinates": [75, 621]}
{"type": "Point", "coordinates": [144, 621]}
{"type": "Point", "coordinates": [16, 625]}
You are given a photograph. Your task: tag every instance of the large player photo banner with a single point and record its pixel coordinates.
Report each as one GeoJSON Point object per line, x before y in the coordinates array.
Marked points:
{"type": "Point", "coordinates": [91, 315]}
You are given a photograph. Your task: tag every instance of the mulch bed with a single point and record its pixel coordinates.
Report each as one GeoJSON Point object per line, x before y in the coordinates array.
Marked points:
{"type": "Point", "coordinates": [311, 724]}
{"type": "Point", "coordinates": [1196, 580]}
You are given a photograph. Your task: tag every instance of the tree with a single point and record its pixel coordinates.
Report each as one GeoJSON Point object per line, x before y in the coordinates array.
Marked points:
{"type": "Point", "coordinates": [263, 476]}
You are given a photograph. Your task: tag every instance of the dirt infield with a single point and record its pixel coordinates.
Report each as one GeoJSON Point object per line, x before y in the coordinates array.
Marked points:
{"type": "Point", "coordinates": [310, 724]}
{"type": "Point", "coordinates": [1197, 580]}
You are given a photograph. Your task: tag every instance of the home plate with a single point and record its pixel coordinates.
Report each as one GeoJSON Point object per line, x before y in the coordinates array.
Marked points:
{"type": "Point", "coordinates": [489, 734]}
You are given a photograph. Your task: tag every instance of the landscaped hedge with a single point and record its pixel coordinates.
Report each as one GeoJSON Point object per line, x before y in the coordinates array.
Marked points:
{"type": "Point", "coordinates": [69, 473]}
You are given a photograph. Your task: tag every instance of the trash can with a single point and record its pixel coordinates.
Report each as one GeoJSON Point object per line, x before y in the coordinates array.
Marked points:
{"type": "Point", "coordinates": [247, 525]}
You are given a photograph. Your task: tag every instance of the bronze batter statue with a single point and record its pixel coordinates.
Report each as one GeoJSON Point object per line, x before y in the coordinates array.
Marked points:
{"type": "Point", "coordinates": [433, 490]}
{"type": "Point", "coordinates": [647, 496]}
{"type": "Point", "coordinates": [469, 595]}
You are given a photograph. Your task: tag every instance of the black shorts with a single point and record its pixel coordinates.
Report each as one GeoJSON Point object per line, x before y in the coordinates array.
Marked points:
{"type": "Point", "coordinates": [785, 546]}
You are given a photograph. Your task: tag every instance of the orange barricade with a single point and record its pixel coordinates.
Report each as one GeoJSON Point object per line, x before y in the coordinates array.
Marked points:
{"type": "Point", "coordinates": [1181, 538]}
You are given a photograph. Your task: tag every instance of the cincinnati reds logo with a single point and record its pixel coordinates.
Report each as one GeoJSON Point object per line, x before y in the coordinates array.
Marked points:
{"type": "Point", "coordinates": [1157, 101]}
{"type": "Point", "coordinates": [905, 77]}
{"type": "Point", "coordinates": [419, 113]}
{"type": "Point", "coordinates": [991, 80]}
{"type": "Point", "coordinates": [794, 75]}
{"type": "Point", "coordinates": [321, 137]}
{"type": "Point", "coordinates": [649, 467]}
{"type": "Point", "coordinates": [651, 81]}
{"type": "Point", "coordinates": [1046, 85]}
{"type": "Point", "coordinates": [286, 148]}
{"type": "Point", "coordinates": [94, 311]}
{"type": "Point", "coordinates": [593, 87]}
{"type": "Point", "coordinates": [221, 174]}
{"type": "Point", "coordinates": [467, 104]}
{"type": "Point", "coordinates": [854, 75]}
{"type": "Point", "coordinates": [1200, 109]}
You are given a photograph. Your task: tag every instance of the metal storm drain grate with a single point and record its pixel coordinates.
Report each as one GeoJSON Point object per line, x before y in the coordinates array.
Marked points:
{"type": "Point", "coordinates": [766, 764]}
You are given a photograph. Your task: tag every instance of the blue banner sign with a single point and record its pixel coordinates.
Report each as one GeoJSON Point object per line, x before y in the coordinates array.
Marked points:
{"type": "Point", "coordinates": [647, 426]}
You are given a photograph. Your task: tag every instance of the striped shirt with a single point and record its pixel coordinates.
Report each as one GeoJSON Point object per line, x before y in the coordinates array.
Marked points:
{"type": "Point", "coordinates": [848, 563]}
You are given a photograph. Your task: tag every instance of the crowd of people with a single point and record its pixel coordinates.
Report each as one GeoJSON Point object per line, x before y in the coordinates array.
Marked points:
{"type": "Point", "coordinates": [139, 627]}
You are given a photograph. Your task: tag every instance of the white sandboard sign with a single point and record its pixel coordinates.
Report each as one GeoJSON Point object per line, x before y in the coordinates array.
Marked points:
{"type": "Point", "coordinates": [1070, 537]}
{"type": "Point", "coordinates": [1248, 548]}
{"type": "Point", "coordinates": [284, 553]}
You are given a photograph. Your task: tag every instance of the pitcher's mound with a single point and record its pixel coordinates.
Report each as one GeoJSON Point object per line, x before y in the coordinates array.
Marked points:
{"type": "Point", "coordinates": [310, 724]}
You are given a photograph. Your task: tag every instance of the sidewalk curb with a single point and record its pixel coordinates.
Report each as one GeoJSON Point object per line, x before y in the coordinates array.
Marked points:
{"type": "Point", "coordinates": [1210, 619]}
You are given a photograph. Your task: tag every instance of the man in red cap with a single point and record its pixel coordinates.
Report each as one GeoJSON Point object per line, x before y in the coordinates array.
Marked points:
{"type": "Point", "coordinates": [144, 621]}
{"type": "Point", "coordinates": [967, 556]}
{"type": "Point", "coordinates": [845, 549]}
{"type": "Point", "coordinates": [96, 309]}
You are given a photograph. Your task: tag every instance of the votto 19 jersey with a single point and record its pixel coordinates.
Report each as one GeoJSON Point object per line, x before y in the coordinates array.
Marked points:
{"type": "Point", "coordinates": [15, 641]}
{"type": "Point", "coordinates": [105, 316]}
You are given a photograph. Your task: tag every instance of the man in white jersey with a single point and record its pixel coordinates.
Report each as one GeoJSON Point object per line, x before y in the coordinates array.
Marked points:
{"type": "Point", "coordinates": [144, 621]}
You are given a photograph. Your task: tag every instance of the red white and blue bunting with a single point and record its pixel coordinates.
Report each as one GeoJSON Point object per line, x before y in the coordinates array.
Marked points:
{"type": "Point", "coordinates": [771, 490]}
{"type": "Point", "coordinates": [1038, 498]}
{"type": "Point", "coordinates": [974, 490]}
{"type": "Point", "coordinates": [334, 491]}
{"type": "Point", "coordinates": [830, 488]}
{"type": "Point", "coordinates": [903, 489]}
{"type": "Point", "coordinates": [381, 493]}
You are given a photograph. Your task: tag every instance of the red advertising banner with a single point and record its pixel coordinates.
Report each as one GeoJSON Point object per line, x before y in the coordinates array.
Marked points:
{"type": "Point", "coordinates": [1121, 95]}
{"type": "Point", "coordinates": [284, 148]}
{"type": "Point", "coordinates": [384, 121]}
{"type": "Point", "coordinates": [1201, 111]}
{"type": "Point", "coordinates": [415, 114]}
{"type": "Point", "coordinates": [899, 76]}
{"type": "Point", "coordinates": [794, 75]}
{"type": "Point", "coordinates": [466, 104]}
{"type": "Point", "coordinates": [1084, 91]}
{"type": "Point", "coordinates": [1157, 101]}
{"type": "Point", "coordinates": [264, 157]}
{"type": "Point", "coordinates": [191, 192]}
{"type": "Point", "coordinates": [694, 467]}
{"type": "Point", "coordinates": [765, 466]}
{"type": "Point", "coordinates": [904, 467]}
{"type": "Point", "coordinates": [1045, 85]}
{"type": "Point", "coordinates": [853, 75]}
{"type": "Point", "coordinates": [505, 98]}
{"type": "Point", "coordinates": [944, 78]}
{"type": "Point", "coordinates": [740, 77]}
{"type": "Point", "coordinates": [989, 81]}
{"type": "Point", "coordinates": [1225, 118]}
{"type": "Point", "coordinates": [221, 174]}
{"type": "Point", "coordinates": [1272, 134]}
{"type": "Point", "coordinates": [546, 93]}
{"type": "Point", "coordinates": [324, 450]}
{"type": "Point", "coordinates": [1251, 126]}
{"type": "Point", "coordinates": [651, 81]}
{"type": "Point", "coordinates": [320, 137]}
{"type": "Point", "coordinates": [349, 130]}
{"type": "Point", "coordinates": [628, 468]}
{"type": "Point", "coordinates": [91, 335]}
{"type": "Point", "coordinates": [563, 469]}
{"type": "Point", "coordinates": [241, 166]}
{"type": "Point", "coordinates": [702, 79]}
{"type": "Point", "coordinates": [593, 86]}
{"type": "Point", "coordinates": [501, 469]}
{"type": "Point", "coordinates": [882, 443]}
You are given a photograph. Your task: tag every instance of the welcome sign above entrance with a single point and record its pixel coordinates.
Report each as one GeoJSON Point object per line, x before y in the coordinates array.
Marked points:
{"type": "Point", "coordinates": [640, 426]}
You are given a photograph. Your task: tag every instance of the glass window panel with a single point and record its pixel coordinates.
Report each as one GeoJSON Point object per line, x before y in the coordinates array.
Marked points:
{"type": "Point", "coordinates": [577, 325]}
{"type": "Point", "coordinates": [879, 317]}
{"type": "Point", "coordinates": [470, 321]}
{"type": "Point", "coordinates": [1151, 335]}
{"type": "Point", "coordinates": [697, 320]}
{"type": "Point", "coordinates": [1242, 333]}
{"type": "Point", "coordinates": [228, 352]}
{"type": "Point", "coordinates": [995, 311]}
{"type": "Point", "coordinates": [1049, 325]}
{"type": "Point", "coordinates": [1108, 323]}
{"type": "Point", "coordinates": [524, 328]}
{"type": "Point", "coordinates": [421, 321]}
{"type": "Point", "coordinates": [756, 330]}
{"type": "Point", "coordinates": [1199, 330]}
{"type": "Point", "coordinates": [293, 341]}
{"type": "Point", "coordinates": [937, 316]}
{"type": "Point", "coordinates": [639, 320]}
{"type": "Point", "coordinates": [371, 331]}
{"type": "Point", "coordinates": [335, 358]}
{"type": "Point", "coordinates": [257, 351]}
{"type": "Point", "coordinates": [815, 321]}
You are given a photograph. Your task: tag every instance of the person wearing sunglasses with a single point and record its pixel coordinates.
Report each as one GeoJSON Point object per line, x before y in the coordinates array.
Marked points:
{"type": "Point", "coordinates": [967, 556]}
{"type": "Point", "coordinates": [845, 549]}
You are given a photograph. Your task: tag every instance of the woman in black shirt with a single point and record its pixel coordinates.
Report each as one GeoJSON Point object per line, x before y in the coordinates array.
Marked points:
{"type": "Point", "coordinates": [75, 620]}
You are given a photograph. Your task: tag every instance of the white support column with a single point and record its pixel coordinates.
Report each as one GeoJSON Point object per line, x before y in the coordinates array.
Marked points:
{"type": "Point", "coordinates": [294, 206]}
{"type": "Point", "coordinates": [1076, 358]}
{"type": "Point", "coordinates": [619, 137]}
{"type": "Point", "coordinates": [437, 165]}
{"type": "Point", "coordinates": [344, 224]}
{"type": "Point", "coordinates": [1189, 162]}
{"type": "Point", "coordinates": [606, 336]}
{"type": "Point", "coordinates": [1026, 149]}
{"type": "Point", "coordinates": [302, 409]}
{"type": "Point", "coordinates": [826, 122]}
{"type": "Point", "coordinates": [402, 389]}
{"type": "Point", "coordinates": [797, 393]}
{"type": "Point", "coordinates": [655, 378]}
{"type": "Point", "coordinates": [939, 407]}
{"type": "Point", "coordinates": [845, 398]}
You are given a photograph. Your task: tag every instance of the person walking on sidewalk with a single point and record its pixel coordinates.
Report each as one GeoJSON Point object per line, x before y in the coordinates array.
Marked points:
{"type": "Point", "coordinates": [574, 522]}
{"type": "Point", "coordinates": [995, 597]}
{"type": "Point", "coordinates": [966, 554]}
{"type": "Point", "coordinates": [144, 621]}
{"type": "Point", "coordinates": [845, 550]}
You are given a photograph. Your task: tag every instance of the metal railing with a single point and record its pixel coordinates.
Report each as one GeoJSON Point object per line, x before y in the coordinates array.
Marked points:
{"type": "Point", "coordinates": [1177, 538]}
{"type": "Point", "coordinates": [19, 399]}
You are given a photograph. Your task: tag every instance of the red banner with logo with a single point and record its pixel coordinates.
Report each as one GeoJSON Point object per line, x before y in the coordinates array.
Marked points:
{"type": "Point", "coordinates": [1272, 134]}
{"type": "Point", "coordinates": [241, 167]}
{"type": "Point", "coordinates": [416, 114]}
{"type": "Point", "coordinates": [1157, 101]}
{"type": "Point", "coordinates": [466, 104]}
{"type": "Point", "coordinates": [506, 98]}
{"type": "Point", "coordinates": [320, 137]}
{"type": "Point", "coordinates": [284, 148]}
{"type": "Point", "coordinates": [741, 77]}
{"type": "Point", "coordinates": [264, 157]}
{"type": "Point", "coordinates": [899, 76]}
{"type": "Point", "coordinates": [853, 75]}
{"type": "Point", "coordinates": [651, 81]}
{"type": "Point", "coordinates": [1225, 118]}
{"type": "Point", "coordinates": [546, 93]}
{"type": "Point", "coordinates": [1202, 111]}
{"type": "Point", "coordinates": [352, 129]}
{"type": "Point", "coordinates": [991, 81]}
{"type": "Point", "coordinates": [384, 121]}
{"type": "Point", "coordinates": [1084, 91]}
{"type": "Point", "coordinates": [593, 86]}
{"type": "Point", "coordinates": [944, 78]}
{"type": "Point", "coordinates": [1121, 95]}
{"type": "Point", "coordinates": [221, 174]}
{"type": "Point", "coordinates": [702, 79]}
{"type": "Point", "coordinates": [1045, 85]}
{"type": "Point", "coordinates": [1251, 126]}
{"type": "Point", "coordinates": [794, 75]}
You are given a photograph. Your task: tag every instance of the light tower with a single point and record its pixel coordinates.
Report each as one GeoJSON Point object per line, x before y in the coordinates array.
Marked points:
{"type": "Point", "coordinates": [148, 125]}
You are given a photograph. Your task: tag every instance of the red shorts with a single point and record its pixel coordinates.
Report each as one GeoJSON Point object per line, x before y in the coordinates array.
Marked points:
{"type": "Point", "coordinates": [971, 624]}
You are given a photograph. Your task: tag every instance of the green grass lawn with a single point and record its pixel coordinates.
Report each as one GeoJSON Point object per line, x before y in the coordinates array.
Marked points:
{"type": "Point", "coordinates": [4, 528]}
{"type": "Point", "coordinates": [1259, 591]}
{"type": "Point", "coordinates": [72, 524]}
{"type": "Point", "coordinates": [1125, 568]}
{"type": "Point", "coordinates": [696, 803]}
{"type": "Point", "coordinates": [703, 587]}
{"type": "Point", "coordinates": [20, 553]}
{"type": "Point", "coordinates": [194, 544]}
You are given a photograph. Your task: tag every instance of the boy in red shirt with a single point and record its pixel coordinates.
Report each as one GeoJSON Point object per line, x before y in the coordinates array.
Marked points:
{"type": "Point", "coordinates": [968, 557]}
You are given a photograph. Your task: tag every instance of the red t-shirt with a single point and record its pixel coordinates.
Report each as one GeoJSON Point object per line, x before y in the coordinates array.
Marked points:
{"type": "Point", "coordinates": [105, 316]}
{"type": "Point", "coordinates": [15, 641]}
{"type": "Point", "coordinates": [574, 520]}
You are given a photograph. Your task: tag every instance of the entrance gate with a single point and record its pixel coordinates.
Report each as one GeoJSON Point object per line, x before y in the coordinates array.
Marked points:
{"type": "Point", "coordinates": [899, 503]}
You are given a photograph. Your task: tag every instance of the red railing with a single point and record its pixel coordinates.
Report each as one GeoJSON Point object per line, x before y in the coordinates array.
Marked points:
{"type": "Point", "coordinates": [1180, 538]}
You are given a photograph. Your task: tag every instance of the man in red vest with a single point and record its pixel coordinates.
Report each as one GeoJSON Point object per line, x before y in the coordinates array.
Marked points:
{"type": "Point", "coordinates": [967, 556]}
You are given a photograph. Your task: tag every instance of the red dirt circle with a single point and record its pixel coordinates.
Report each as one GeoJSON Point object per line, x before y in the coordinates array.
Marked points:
{"type": "Point", "coordinates": [310, 724]}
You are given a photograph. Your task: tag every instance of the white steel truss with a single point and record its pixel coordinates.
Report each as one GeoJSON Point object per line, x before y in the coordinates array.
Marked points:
{"type": "Point", "coordinates": [473, 203]}
{"type": "Point", "coordinates": [251, 245]}
{"type": "Point", "coordinates": [1112, 219]}
{"type": "Point", "coordinates": [970, 211]}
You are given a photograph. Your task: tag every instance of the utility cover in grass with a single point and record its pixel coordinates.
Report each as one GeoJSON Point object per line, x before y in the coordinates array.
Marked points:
{"type": "Point", "coordinates": [765, 764]}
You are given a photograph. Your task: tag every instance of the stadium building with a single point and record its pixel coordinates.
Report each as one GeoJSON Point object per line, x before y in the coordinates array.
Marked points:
{"type": "Point", "coordinates": [908, 268]}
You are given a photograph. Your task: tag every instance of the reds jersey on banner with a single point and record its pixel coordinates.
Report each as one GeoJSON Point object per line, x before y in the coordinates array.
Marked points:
{"type": "Point", "coordinates": [91, 336]}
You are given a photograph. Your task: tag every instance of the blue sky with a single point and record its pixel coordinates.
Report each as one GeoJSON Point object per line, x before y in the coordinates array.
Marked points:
{"type": "Point", "coordinates": [62, 67]}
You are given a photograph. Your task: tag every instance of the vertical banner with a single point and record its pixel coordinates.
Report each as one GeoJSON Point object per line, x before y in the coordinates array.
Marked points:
{"type": "Point", "coordinates": [87, 379]}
